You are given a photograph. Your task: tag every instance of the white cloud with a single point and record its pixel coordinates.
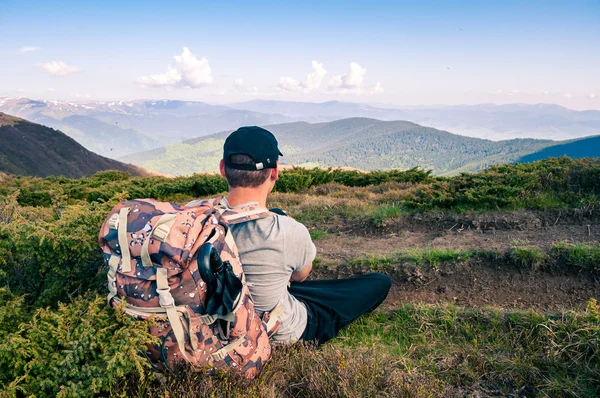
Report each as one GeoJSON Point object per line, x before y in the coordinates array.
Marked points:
{"type": "Point", "coordinates": [86, 96]}
{"type": "Point", "coordinates": [59, 68]}
{"type": "Point", "coordinates": [312, 83]}
{"type": "Point", "coordinates": [240, 86]}
{"type": "Point", "coordinates": [592, 96]}
{"type": "Point", "coordinates": [51, 90]}
{"type": "Point", "coordinates": [352, 82]}
{"type": "Point", "coordinates": [171, 78]}
{"type": "Point", "coordinates": [189, 72]}
{"type": "Point", "coordinates": [378, 89]}
{"type": "Point", "coordinates": [512, 92]}
{"type": "Point", "coordinates": [289, 84]}
{"type": "Point", "coordinates": [568, 95]}
{"type": "Point", "coordinates": [29, 49]}
{"type": "Point", "coordinates": [313, 79]}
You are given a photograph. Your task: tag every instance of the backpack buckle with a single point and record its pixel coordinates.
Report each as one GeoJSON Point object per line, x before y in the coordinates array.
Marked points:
{"type": "Point", "coordinates": [160, 232]}
{"type": "Point", "coordinates": [165, 298]}
{"type": "Point", "coordinates": [113, 222]}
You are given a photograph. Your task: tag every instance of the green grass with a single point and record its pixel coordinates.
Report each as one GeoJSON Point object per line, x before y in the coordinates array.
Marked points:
{"type": "Point", "coordinates": [423, 351]}
{"type": "Point", "coordinates": [421, 257]}
{"type": "Point", "coordinates": [317, 234]}
{"type": "Point", "coordinates": [527, 257]}
{"type": "Point", "coordinates": [387, 211]}
{"type": "Point", "coordinates": [581, 255]}
{"type": "Point", "coordinates": [565, 256]}
{"type": "Point", "coordinates": [498, 351]}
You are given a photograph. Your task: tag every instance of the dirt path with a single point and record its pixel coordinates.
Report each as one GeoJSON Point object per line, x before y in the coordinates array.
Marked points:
{"type": "Point", "coordinates": [475, 282]}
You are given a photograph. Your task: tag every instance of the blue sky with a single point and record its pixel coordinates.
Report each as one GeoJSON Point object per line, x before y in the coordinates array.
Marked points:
{"type": "Point", "coordinates": [403, 53]}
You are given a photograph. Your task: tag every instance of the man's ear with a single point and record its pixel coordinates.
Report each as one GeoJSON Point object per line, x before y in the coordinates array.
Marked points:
{"type": "Point", "coordinates": [275, 172]}
{"type": "Point", "coordinates": [222, 168]}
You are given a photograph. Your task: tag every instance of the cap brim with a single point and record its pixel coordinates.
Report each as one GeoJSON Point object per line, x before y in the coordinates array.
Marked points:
{"type": "Point", "coordinates": [280, 154]}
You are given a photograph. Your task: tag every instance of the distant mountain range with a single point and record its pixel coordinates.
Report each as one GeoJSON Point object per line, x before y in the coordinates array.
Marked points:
{"type": "Point", "coordinates": [495, 122]}
{"type": "Point", "coordinates": [366, 144]}
{"type": "Point", "coordinates": [35, 150]}
{"type": "Point", "coordinates": [116, 129]}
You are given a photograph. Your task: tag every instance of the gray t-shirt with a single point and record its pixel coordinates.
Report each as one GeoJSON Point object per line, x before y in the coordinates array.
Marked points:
{"type": "Point", "coordinates": [271, 249]}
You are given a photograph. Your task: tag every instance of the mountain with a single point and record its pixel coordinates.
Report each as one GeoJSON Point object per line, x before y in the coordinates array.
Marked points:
{"type": "Point", "coordinates": [321, 112]}
{"type": "Point", "coordinates": [495, 122]}
{"type": "Point", "coordinates": [583, 148]}
{"type": "Point", "coordinates": [32, 149]}
{"type": "Point", "coordinates": [117, 128]}
{"type": "Point", "coordinates": [362, 143]}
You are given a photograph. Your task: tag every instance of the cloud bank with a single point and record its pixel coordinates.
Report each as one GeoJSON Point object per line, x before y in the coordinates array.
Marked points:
{"type": "Point", "coordinates": [189, 72]}
{"type": "Point", "coordinates": [59, 68]}
{"type": "Point", "coordinates": [349, 83]}
{"type": "Point", "coordinates": [353, 82]}
{"type": "Point", "coordinates": [312, 83]}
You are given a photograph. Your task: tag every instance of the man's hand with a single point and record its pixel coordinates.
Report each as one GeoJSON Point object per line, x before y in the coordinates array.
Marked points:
{"type": "Point", "coordinates": [300, 276]}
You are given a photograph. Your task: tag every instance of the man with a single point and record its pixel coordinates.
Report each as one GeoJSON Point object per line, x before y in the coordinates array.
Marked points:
{"type": "Point", "coordinates": [277, 250]}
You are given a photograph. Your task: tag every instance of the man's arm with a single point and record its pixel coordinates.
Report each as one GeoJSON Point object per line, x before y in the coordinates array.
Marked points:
{"type": "Point", "coordinates": [301, 275]}
{"type": "Point", "coordinates": [299, 249]}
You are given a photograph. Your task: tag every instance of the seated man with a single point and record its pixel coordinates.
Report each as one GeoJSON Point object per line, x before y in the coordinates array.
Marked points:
{"type": "Point", "coordinates": [278, 249]}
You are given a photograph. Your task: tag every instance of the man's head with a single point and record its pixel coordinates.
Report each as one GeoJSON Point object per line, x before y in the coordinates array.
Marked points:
{"type": "Point", "coordinates": [250, 157]}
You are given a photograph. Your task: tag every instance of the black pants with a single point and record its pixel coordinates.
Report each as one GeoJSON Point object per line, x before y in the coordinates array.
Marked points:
{"type": "Point", "coordinates": [333, 303]}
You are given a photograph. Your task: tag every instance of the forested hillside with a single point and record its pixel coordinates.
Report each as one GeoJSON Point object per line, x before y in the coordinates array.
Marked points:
{"type": "Point", "coordinates": [35, 150]}
{"type": "Point", "coordinates": [585, 147]}
{"type": "Point", "coordinates": [366, 144]}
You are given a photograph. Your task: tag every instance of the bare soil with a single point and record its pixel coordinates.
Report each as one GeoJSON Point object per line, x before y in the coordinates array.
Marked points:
{"type": "Point", "coordinates": [475, 282]}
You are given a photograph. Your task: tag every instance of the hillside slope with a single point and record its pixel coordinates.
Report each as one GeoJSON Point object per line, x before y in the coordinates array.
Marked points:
{"type": "Point", "coordinates": [32, 149]}
{"type": "Point", "coordinates": [366, 144]}
{"type": "Point", "coordinates": [583, 148]}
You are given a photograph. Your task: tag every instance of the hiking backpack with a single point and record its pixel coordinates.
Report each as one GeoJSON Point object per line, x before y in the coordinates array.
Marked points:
{"type": "Point", "coordinates": [178, 264]}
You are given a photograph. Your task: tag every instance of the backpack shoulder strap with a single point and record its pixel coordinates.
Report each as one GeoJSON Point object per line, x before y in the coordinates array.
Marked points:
{"type": "Point", "coordinates": [234, 216]}
{"type": "Point", "coordinates": [205, 202]}
{"type": "Point", "coordinates": [243, 214]}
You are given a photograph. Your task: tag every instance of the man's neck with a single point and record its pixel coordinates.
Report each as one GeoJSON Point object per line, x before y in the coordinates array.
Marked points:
{"type": "Point", "coordinates": [238, 196]}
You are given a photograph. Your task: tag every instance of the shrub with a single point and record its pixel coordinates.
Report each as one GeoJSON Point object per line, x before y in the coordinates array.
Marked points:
{"type": "Point", "coordinates": [81, 349]}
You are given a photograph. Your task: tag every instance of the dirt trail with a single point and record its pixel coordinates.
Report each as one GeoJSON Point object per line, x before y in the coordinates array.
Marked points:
{"type": "Point", "coordinates": [475, 282]}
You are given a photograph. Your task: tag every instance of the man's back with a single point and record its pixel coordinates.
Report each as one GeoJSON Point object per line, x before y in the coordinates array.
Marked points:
{"type": "Point", "coordinates": [271, 249]}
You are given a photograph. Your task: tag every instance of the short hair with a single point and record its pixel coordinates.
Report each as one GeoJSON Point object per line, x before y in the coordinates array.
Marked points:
{"type": "Point", "coordinates": [245, 178]}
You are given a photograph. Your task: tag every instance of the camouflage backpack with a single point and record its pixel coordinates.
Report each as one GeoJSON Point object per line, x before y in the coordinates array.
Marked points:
{"type": "Point", "coordinates": [166, 260]}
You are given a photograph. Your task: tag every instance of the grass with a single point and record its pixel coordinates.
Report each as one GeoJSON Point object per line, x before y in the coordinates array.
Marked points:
{"type": "Point", "coordinates": [581, 255]}
{"type": "Point", "coordinates": [527, 257]}
{"type": "Point", "coordinates": [423, 351]}
{"type": "Point", "coordinates": [317, 234]}
{"type": "Point", "coordinates": [413, 350]}
{"type": "Point", "coordinates": [421, 257]}
{"type": "Point", "coordinates": [566, 256]}
{"type": "Point", "coordinates": [495, 350]}
{"type": "Point", "coordinates": [386, 212]}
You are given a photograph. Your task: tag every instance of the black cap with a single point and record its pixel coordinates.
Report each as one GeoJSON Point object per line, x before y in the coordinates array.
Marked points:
{"type": "Point", "coordinates": [253, 141]}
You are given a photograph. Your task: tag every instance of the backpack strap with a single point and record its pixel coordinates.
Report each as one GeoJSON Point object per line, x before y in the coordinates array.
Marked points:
{"type": "Point", "coordinates": [159, 232]}
{"type": "Point", "coordinates": [237, 217]}
{"type": "Point", "coordinates": [168, 303]}
{"type": "Point", "coordinates": [119, 222]}
{"type": "Point", "coordinates": [240, 215]}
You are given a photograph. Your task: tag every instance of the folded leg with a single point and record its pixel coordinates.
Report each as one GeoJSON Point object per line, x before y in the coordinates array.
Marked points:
{"type": "Point", "coordinates": [333, 303]}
